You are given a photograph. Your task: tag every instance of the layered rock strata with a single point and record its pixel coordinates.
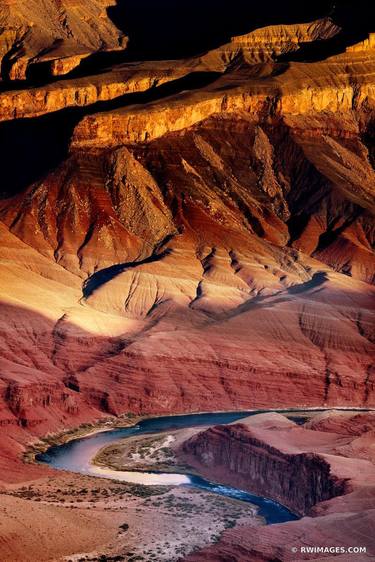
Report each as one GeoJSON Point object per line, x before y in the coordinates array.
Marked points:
{"type": "Point", "coordinates": [57, 34]}
{"type": "Point", "coordinates": [325, 475]}
{"type": "Point", "coordinates": [236, 454]}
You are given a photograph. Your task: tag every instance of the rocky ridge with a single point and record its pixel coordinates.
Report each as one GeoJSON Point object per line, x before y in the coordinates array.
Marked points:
{"type": "Point", "coordinates": [54, 34]}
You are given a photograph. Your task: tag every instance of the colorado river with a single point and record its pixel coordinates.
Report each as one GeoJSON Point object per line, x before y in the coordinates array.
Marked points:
{"type": "Point", "coordinates": [77, 455]}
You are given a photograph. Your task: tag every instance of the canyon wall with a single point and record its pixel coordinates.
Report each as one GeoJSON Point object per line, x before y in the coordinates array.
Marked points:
{"type": "Point", "coordinates": [232, 455]}
{"type": "Point", "coordinates": [321, 469]}
{"type": "Point", "coordinates": [57, 35]}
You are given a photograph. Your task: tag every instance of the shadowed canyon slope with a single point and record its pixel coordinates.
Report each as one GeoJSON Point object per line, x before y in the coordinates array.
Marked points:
{"type": "Point", "coordinates": [185, 235]}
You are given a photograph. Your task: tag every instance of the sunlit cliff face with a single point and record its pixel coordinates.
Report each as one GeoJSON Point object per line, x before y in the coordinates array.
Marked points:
{"type": "Point", "coordinates": [187, 234]}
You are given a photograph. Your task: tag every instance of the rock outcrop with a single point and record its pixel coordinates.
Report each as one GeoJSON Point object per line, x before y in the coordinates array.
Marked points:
{"type": "Point", "coordinates": [87, 91]}
{"type": "Point", "coordinates": [269, 43]}
{"type": "Point", "coordinates": [303, 90]}
{"type": "Point", "coordinates": [319, 473]}
{"type": "Point", "coordinates": [276, 40]}
{"type": "Point", "coordinates": [238, 454]}
{"type": "Point", "coordinates": [57, 35]}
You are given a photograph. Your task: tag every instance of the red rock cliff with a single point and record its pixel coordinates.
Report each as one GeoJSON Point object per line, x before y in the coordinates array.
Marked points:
{"type": "Point", "coordinates": [302, 467]}
{"type": "Point", "coordinates": [234, 455]}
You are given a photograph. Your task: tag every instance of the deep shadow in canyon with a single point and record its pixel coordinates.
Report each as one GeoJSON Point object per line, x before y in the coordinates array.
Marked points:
{"type": "Point", "coordinates": [31, 147]}
{"type": "Point", "coordinates": [103, 276]}
{"type": "Point", "coordinates": [167, 29]}
{"type": "Point", "coordinates": [170, 29]}
{"type": "Point", "coordinates": [315, 283]}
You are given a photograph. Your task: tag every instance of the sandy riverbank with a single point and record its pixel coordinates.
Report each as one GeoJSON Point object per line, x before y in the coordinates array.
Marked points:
{"type": "Point", "coordinates": [74, 517]}
{"type": "Point", "coordinates": [112, 519]}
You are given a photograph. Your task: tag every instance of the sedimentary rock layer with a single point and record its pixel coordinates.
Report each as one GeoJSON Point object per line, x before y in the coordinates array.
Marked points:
{"type": "Point", "coordinates": [236, 453]}
{"type": "Point", "coordinates": [58, 34]}
{"type": "Point", "coordinates": [338, 85]}
{"type": "Point", "coordinates": [333, 484]}
{"type": "Point", "coordinates": [86, 91]}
